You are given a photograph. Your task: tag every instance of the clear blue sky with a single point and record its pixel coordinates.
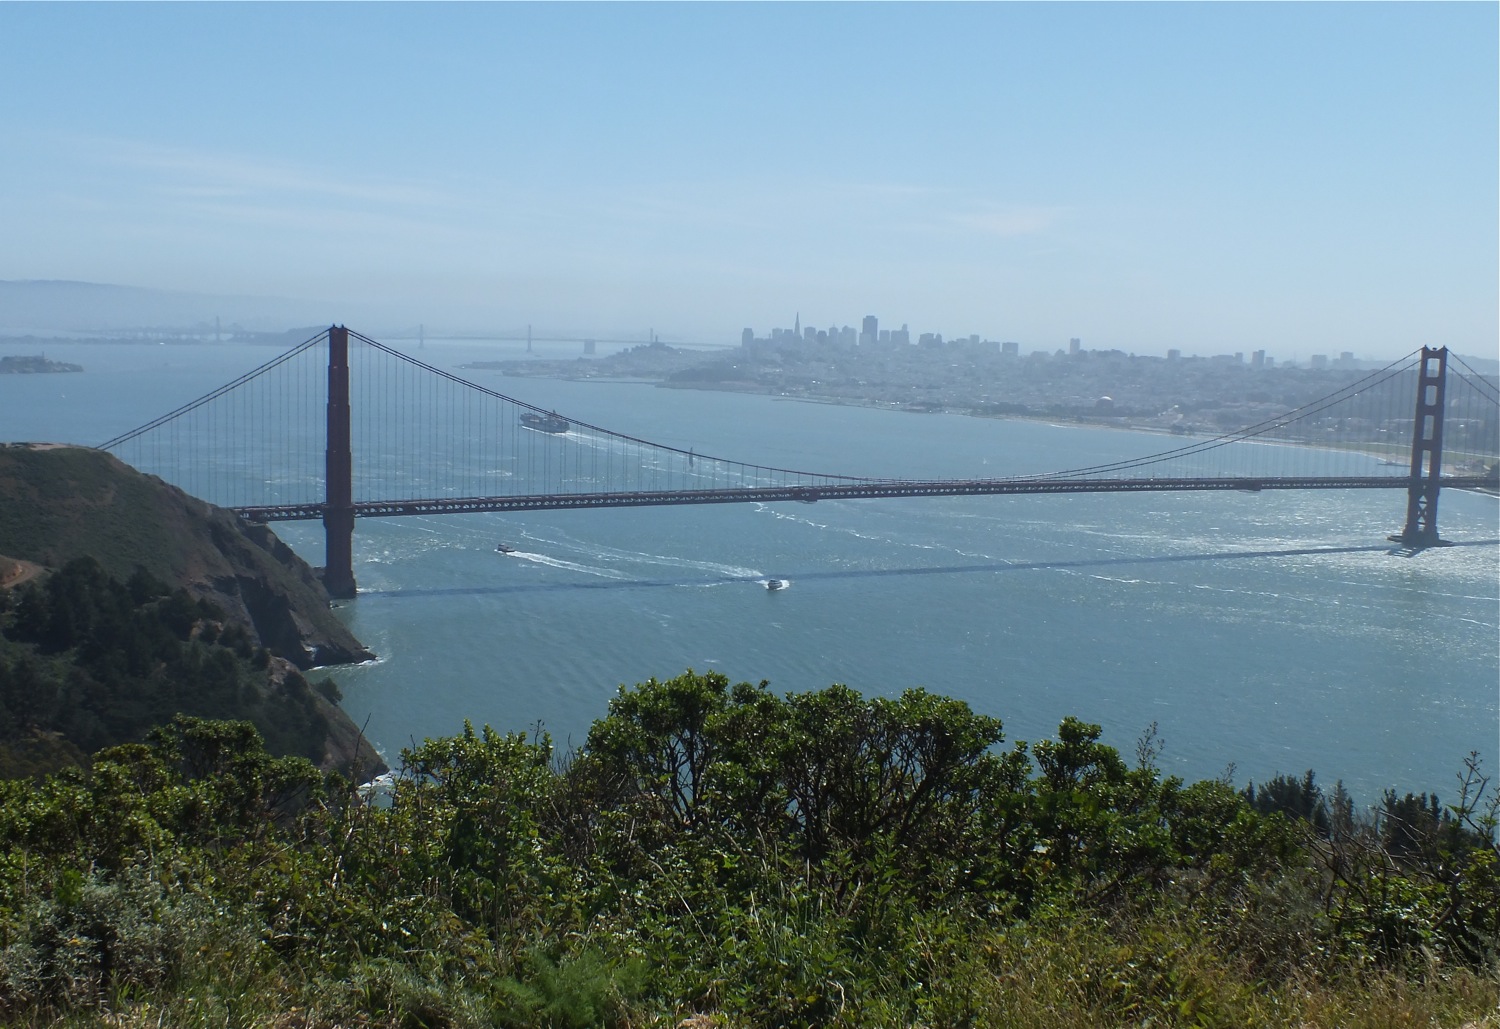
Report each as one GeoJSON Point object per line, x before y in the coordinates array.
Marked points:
{"type": "Point", "coordinates": [1216, 177]}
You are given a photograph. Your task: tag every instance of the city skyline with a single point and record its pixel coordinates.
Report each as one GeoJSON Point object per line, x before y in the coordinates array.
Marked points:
{"type": "Point", "coordinates": [871, 335]}
{"type": "Point", "coordinates": [1213, 178]}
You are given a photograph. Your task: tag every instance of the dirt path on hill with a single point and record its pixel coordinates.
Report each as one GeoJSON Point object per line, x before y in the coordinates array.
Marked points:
{"type": "Point", "coordinates": [13, 572]}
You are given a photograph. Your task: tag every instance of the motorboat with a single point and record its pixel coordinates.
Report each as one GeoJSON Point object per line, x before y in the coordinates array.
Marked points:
{"type": "Point", "coordinates": [504, 548]}
{"type": "Point", "coordinates": [777, 584]}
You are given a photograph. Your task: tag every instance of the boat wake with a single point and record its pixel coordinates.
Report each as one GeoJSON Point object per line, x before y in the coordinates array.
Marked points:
{"type": "Point", "coordinates": [612, 555]}
{"type": "Point", "coordinates": [567, 566]}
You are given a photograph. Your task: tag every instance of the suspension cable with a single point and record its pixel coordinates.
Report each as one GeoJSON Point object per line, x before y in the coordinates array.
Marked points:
{"type": "Point", "coordinates": [216, 394]}
{"type": "Point", "coordinates": [595, 428]}
{"type": "Point", "coordinates": [1312, 407]}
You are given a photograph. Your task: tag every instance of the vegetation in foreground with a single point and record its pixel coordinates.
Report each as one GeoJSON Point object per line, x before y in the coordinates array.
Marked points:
{"type": "Point", "coordinates": [718, 854]}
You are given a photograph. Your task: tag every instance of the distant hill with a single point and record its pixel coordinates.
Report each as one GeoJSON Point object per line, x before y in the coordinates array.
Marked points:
{"type": "Point", "coordinates": [1482, 365]}
{"type": "Point", "coordinates": [58, 504]}
{"type": "Point", "coordinates": [46, 307]}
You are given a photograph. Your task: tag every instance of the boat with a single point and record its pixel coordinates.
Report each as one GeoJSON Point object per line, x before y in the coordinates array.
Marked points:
{"type": "Point", "coordinates": [776, 584]}
{"type": "Point", "coordinates": [504, 548]}
{"type": "Point", "coordinates": [549, 421]}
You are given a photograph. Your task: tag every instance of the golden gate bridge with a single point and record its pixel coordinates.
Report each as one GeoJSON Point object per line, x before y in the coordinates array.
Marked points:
{"type": "Point", "coordinates": [314, 435]}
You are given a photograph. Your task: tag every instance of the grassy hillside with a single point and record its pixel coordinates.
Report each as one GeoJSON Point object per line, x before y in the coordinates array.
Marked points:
{"type": "Point", "coordinates": [60, 503]}
{"type": "Point", "coordinates": [88, 662]}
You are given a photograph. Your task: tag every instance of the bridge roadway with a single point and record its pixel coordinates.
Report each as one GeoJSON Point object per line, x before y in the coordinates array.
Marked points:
{"type": "Point", "coordinates": [874, 488]}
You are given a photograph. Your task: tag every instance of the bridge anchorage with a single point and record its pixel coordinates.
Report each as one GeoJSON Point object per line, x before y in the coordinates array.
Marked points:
{"type": "Point", "coordinates": [430, 442]}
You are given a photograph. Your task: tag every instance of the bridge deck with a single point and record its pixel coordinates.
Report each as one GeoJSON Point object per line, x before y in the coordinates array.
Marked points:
{"type": "Point", "coordinates": [843, 491]}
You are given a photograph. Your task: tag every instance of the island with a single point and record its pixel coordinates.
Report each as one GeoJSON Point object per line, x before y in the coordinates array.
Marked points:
{"type": "Point", "coordinates": [33, 364]}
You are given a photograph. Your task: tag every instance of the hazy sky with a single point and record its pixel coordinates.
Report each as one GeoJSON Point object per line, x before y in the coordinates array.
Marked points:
{"type": "Point", "coordinates": [1215, 177]}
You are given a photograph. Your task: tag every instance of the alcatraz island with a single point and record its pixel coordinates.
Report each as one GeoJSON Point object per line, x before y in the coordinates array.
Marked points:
{"type": "Point", "coordinates": [34, 364]}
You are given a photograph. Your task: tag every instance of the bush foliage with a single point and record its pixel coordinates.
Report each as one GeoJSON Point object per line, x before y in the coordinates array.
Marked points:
{"type": "Point", "coordinates": [720, 854]}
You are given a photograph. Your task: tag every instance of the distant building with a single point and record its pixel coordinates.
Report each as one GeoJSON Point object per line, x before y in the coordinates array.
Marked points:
{"type": "Point", "coordinates": [1010, 348]}
{"type": "Point", "coordinates": [1258, 359]}
{"type": "Point", "coordinates": [869, 333]}
{"type": "Point", "coordinates": [901, 337]}
{"type": "Point", "coordinates": [1174, 354]}
{"type": "Point", "coordinates": [747, 336]}
{"type": "Point", "coordinates": [1074, 345]}
{"type": "Point", "coordinates": [1319, 361]}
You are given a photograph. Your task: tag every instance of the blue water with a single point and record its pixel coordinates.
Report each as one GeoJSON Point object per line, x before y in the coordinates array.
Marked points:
{"type": "Point", "coordinates": [1270, 632]}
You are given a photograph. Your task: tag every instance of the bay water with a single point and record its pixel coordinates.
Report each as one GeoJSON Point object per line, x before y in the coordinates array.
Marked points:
{"type": "Point", "coordinates": [1261, 633]}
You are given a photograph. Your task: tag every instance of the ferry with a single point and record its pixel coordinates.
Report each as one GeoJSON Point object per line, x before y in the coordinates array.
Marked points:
{"type": "Point", "coordinates": [549, 422]}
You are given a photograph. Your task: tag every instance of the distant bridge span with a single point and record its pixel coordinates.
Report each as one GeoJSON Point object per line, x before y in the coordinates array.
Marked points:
{"type": "Point", "coordinates": [845, 491]}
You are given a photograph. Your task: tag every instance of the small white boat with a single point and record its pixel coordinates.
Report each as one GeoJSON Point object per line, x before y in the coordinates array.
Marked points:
{"type": "Point", "coordinates": [777, 584]}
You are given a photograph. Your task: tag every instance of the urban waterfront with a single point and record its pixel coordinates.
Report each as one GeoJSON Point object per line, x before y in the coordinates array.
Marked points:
{"type": "Point", "coordinates": [1273, 632]}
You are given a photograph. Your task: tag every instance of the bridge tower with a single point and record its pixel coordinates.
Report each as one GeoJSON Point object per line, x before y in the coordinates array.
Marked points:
{"type": "Point", "coordinates": [1426, 452]}
{"type": "Point", "coordinates": [338, 482]}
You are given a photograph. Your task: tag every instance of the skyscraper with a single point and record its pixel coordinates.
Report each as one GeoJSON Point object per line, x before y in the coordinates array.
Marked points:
{"type": "Point", "coordinates": [870, 332]}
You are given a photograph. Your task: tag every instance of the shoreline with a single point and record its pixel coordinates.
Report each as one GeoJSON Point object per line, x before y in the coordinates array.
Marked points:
{"type": "Point", "coordinates": [1373, 449]}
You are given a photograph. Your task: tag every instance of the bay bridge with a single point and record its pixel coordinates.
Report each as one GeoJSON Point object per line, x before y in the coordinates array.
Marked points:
{"type": "Point", "coordinates": [343, 427]}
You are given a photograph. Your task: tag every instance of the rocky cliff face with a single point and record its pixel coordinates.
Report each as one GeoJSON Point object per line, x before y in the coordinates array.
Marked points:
{"type": "Point", "coordinates": [58, 503]}
{"type": "Point", "coordinates": [279, 594]}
